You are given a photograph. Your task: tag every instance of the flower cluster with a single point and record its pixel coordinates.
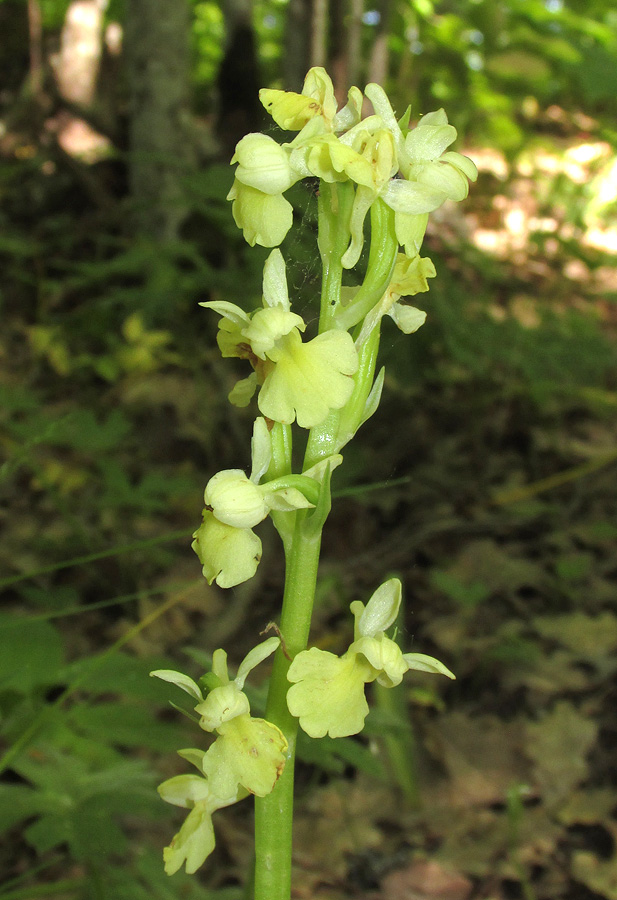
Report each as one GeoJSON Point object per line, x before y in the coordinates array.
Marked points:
{"type": "Point", "coordinates": [247, 756]}
{"type": "Point", "coordinates": [325, 384]}
{"type": "Point", "coordinates": [410, 170]}
{"type": "Point", "coordinates": [375, 159]}
{"type": "Point", "coordinates": [228, 548]}
{"type": "Point", "coordinates": [299, 381]}
{"type": "Point", "coordinates": [409, 278]}
{"type": "Point", "coordinates": [327, 692]}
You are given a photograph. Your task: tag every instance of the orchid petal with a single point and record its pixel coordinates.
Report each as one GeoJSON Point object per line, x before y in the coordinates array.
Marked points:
{"type": "Point", "coordinates": [275, 291]}
{"type": "Point", "coordinates": [249, 753]}
{"type": "Point", "coordinates": [264, 219]}
{"type": "Point", "coordinates": [261, 449]}
{"type": "Point", "coordinates": [411, 198]}
{"type": "Point", "coordinates": [254, 657]}
{"type": "Point", "coordinates": [381, 610]}
{"type": "Point", "coordinates": [424, 663]}
{"type": "Point", "coordinates": [182, 681]}
{"type": "Point", "coordinates": [327, 693]}
{"type": "Point", "coordinates": [309, 379]}
{"type": "Point", "coordinates": [228, 555]}
{"type": "Point", "coordinates": [235, 499]}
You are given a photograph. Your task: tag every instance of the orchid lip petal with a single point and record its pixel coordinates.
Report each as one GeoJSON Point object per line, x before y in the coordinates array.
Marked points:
{"type": "Point", "coordinates": [228, 555]}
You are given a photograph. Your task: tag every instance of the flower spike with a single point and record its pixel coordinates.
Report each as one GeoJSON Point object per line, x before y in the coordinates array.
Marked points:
{"type": "Point", "coordinates": [327, 691]}
{"type": "Point", "coordinates": [247, 756]}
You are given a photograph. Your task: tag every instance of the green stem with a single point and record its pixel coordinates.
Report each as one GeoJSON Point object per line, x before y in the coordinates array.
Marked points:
{"type": "Point", "coordinates": [280, 465]}
{"type": "Point", "coordinates": [352, 413]}
{"type": "Point", "coordinates": [274, 813]}
{"type": "Point", "coordinates": [66, 886]}
{"type": "Point", "coordinates": [281, 451]}
{"type": "Point", "coordinates": [324, 439]}
{"type": "Point", "coordinates": [334, 212]}
{"type": "Point", "coordinates": [400, 742]}
{"type": "Point", "coordinates": [382, 257]}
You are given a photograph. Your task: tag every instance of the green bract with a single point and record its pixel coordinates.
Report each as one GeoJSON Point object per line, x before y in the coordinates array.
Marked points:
{"type": "Point", "coordinates": [247, 756]}
{"type": "Point", "coordinates": [327, 692]}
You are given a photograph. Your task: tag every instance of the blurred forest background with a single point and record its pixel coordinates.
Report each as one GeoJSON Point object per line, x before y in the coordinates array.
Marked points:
{"type": "Point", "coordinates": [486, 481]}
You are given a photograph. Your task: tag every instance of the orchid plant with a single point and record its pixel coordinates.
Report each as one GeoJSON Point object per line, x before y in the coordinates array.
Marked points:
{"type": "Point", "coordinates": [328, 386]}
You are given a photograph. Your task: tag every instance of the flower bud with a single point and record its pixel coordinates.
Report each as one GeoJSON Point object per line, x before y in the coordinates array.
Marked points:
{"type": "Point", "coordinates": [235, 500]}
{"type": "Point", "coordinates": [263, 164]}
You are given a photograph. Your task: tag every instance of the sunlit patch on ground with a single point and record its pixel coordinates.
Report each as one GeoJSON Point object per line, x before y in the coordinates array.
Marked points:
{"type": "Point", "coordinates": [550, 199]}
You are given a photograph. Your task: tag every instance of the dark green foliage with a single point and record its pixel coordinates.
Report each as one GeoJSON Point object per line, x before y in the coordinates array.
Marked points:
{"type": "Point", "coordinates": [71, 787]}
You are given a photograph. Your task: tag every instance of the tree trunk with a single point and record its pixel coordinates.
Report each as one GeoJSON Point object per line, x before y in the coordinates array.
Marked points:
{"type": "Point", "coordinates": [296, 49]}
{"type": "Point", "coordinates": [238, 80]}
{"type": "Point", "coordinates": [319, 33]}
{"type": "Point", "coordinates": [77, 64]}
{"type": "Point", "coordinates": [354, 42]}
{"type": "Point", "coordinates": [35, 31]}
{"type": "Point", "coordinates": [157, 61]}
{"type": "Point", "coordinates": [378, 65]}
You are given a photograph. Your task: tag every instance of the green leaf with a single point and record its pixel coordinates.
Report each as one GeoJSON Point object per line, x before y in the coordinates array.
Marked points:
{"type": "Point", "coordinates": [184, 682]}
{"type": "Point", "coordinates": [333, 755]}
{"type": "Point", "coordinates": [465, 595]}
{"type": "Point", "coordinates": [123, 724]}
{"type": "Point", "coordinates": [88, 830]}
{"type": "Point", "coordinates": [18, 802]}
{"type": "Point", "coordinates": [121, 674]}
{"type": "Point", "coordinates": [558, 744]}
{"type": "Point", "coordinates": [574, 566]}
{"type": "Point", "coordinates": [142, 880]}
{"type": "Point", "coordinates": [519, 65]}
{"type": "Point", "coordinates": [81, 430]}
{"type": "Point", "coordinates": [32, 653]}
